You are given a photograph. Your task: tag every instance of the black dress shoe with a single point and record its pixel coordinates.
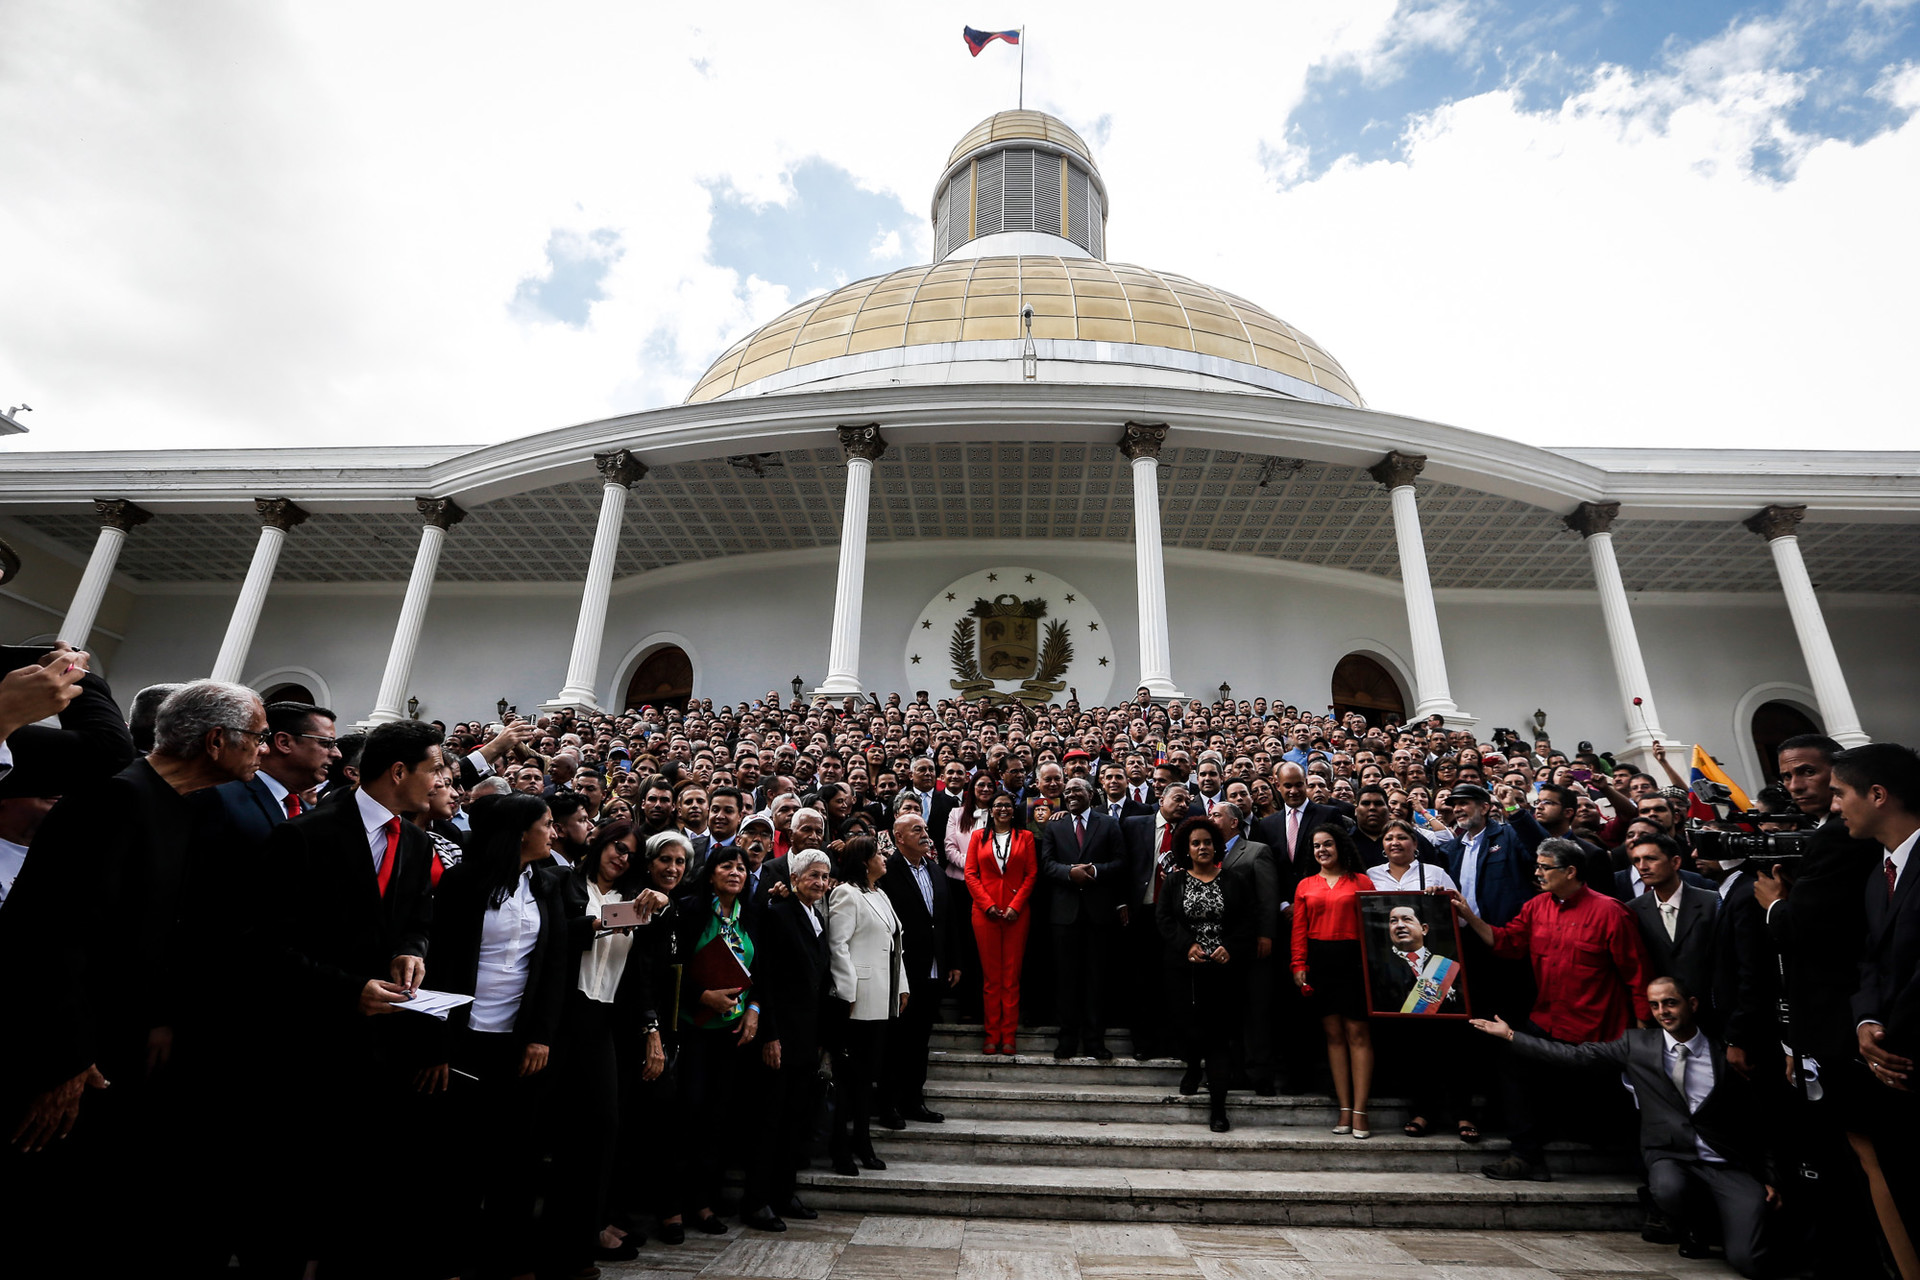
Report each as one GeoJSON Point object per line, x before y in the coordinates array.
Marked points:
{"type": "Point", "coordinates": [710, 1224]}
{"type": "Point", "coordinates": [625, 1251]}
{"type": "Point", "coordinates": [1692, 1246]}
{"type": "Point", "coordinates": [845, 1167]}
{"type": "Point", "coordinates": [1190, 1082]}
{"type": "Point", "coordinates": [868, 1160]}
{"type": "Point", "coordinates": [1065, 1049]}
{"type": "Point", "coordinates": [672, 1233]}
{"type": "Point", "coordinates": [795, 1209]}
{"type": "Point", "coordinates": [925, 1115]}
{"type": "Point", "coordinates": [764, 1221]}
{"type": "Point", "coordinates": [890, 1119]}
{"type": "Point", "coordinates": [1101, 1053]}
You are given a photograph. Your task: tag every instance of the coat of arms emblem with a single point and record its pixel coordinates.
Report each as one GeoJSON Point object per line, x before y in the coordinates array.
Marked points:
{"type": "Point", "coordinates": [1008, 644]}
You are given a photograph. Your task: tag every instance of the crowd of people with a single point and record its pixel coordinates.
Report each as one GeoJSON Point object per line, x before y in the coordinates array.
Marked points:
{"type": "Point", "coordinates": [506, 997]}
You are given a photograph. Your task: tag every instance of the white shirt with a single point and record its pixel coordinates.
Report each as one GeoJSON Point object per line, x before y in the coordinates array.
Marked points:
{"type": "Point", "coordinates": [275, 789]}
{"type": "Point", "coordinates": [1699, 1080]}
{"type": "Point", "coordinates": [6, 760]}
{"type": "Point", "coordinates": [606, 959]}
{"type": "Point", "coordinates": [1437, 878]}
{"type": "Point", "coordinates": [508, 933]}
{"type": "Point", "coordinates": [374, 816]}
{"type": "Point", "coordinates": [1726, 886]}
{"type": "Point", "coordinates": [1900, 856]}
{"type": "Point", "coordinates": [12, 857]}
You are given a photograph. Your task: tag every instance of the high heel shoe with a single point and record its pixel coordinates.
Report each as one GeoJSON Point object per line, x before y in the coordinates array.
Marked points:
{"type": "Point", "coordinates": [1359, 1132]}
{"type": "Point", "coordinates": [1344, 1128]}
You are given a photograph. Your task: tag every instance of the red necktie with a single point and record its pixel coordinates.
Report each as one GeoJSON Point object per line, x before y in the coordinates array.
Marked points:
{"type": "Point", "coordinates": [392, 828]}
{"type": "Point", "coordinates": [294, 808]}
{"type": "Point", "coordinates": [1080, 835]}
{"type": "Point", "coordinates": [1893, 877]}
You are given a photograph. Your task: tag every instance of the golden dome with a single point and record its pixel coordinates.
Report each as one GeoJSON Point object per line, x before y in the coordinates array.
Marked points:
{"type": "Point", "coordinates": [1007, 125]}
{"type": "Point", "coordinates": [1074, 300]}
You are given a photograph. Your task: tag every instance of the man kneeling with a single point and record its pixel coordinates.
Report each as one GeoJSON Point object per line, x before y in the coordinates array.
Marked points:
{"type": "Point", "coordinates": [1699, 1121]}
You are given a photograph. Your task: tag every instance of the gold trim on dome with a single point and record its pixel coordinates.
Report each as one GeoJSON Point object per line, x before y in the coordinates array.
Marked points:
{"type": "Point", "coordinates": [1073, 299]}
{"type": "Point", "coordinates": [1007, 126]}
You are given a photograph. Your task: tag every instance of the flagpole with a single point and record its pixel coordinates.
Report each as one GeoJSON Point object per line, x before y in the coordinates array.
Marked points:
{"type": "Point", "coordinates": [1023, 69]}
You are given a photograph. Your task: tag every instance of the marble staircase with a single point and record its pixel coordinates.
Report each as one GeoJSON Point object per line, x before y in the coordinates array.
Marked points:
{"type": "Point", "coordinates": [1030, 1137]}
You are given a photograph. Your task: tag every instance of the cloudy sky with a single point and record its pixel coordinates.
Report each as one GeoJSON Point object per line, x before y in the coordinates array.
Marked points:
{"type": "Point", "coordinates": [1563, 222]}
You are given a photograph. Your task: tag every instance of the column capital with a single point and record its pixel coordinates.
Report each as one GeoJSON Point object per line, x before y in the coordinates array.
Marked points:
{"type": "Point", "coordinates": [619, 467]}
{"type": "Point", "coordinates": [1143, 440]}
{"type": "Point", "coordinates": [1776, 522]}
{"type": "Point", "coordinates": [441, 513]}
{"type": "Point", "coordinates": [120, 513]}
{"type": "Point", "coordinates": [1590, 518]}
{"type": "Point", "coordinates": [862, 441]}
{"type": "Point", "coordinates": [279, 513]}
{"type": "Point", "coordinates": [1397, 469]}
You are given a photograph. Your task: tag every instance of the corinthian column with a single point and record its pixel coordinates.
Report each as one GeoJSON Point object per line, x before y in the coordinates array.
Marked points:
{"type": "Point", "coordinates": [1141, 443]}
{"type": "Point", "coordinates": [1397, 471]}
{"type": "Point", "coordinates": [277, 516]}
{"type": "Point", "coordinates": [1593, 521]}
{"type": "Point", "coordinates": [618, 470]}
{"type": "Point", "coordinates": [437, 515]}
{"type": "Point", "coordinates": [1780, 526]}
{"type": "Point", "coordinates": [862, 446]}
{"type": "Point", "coordinates": [117, 517]}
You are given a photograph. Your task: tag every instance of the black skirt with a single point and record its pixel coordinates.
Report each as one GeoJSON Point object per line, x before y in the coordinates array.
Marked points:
{"type": "Point", "coordinates": [1333, 971]}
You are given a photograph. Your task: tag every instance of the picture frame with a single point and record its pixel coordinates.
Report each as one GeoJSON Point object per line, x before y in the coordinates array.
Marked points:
{"type": "Point", "coordinates": [1395, 925]}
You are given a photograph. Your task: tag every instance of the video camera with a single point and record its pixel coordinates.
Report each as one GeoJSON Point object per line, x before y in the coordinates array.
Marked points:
{"type": "Point", "coordinates": [1711, 840]}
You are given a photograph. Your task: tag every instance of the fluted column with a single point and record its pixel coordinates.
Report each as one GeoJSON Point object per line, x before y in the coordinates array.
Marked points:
{"type": "Point", "coordinates": [1593, 521]}
{"type": "Point", "coordinates": [277, 516]}
{"type": "Point", "coordinates": [618, 470]}
{"type": "Point", "coordinates": [1141, 442]}
{"type": "Point", "coordinates": [862, 446]}
{"type": "Point", "coordinates": [117, 517]}
{"type": "Point", "coordinates": [438, 515]}
{"type": "Point", "coordinates": [1780, 526]}
{"type": "Point", "coordinates": [1397, 471]}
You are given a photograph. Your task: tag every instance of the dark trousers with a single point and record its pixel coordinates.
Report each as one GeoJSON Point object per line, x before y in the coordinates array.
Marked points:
{"type": "Point", "coordinates": [723, 1094]}
{"type": "Point", "coordinates": [1081, 954]}
{"type": "Point", "coordinates": [969, 995]}
{"type": "Point", "coordinates": [1261, 975]}
{"type": "Point", "coordinates": [1144, 968]}
{"type": "Point", "coordinates": [1210, 999]}
{"type": "Point", "coordinates": [790, 1129]}
{"type": "Point", "coordinates": [493, 1175]}
{"type": "Point", "coordinates": [1427, 1061]}
{"type": "Point", "coordinates": [650, 1167]}
{"type": "Point", "coordinates": [907, 1040]}
{"type": "Point", "coordinates": [1684, 1188]}
{"type": "Point", "coordinates": [857, 1059]}
{"type": "Point", "coordinates": [586, 1089]}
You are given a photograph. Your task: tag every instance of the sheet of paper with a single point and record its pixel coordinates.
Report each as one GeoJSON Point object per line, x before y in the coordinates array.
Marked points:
{"type": "Point", "coordinates": [434, 1004]}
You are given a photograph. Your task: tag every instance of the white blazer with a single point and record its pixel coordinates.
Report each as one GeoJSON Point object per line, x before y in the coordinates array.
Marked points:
{"type": "Point", "coordinates": [868, 966]}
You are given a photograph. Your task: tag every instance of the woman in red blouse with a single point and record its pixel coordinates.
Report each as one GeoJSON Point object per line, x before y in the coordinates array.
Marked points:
{"type": "Point", "coordinates": [1326, 967]}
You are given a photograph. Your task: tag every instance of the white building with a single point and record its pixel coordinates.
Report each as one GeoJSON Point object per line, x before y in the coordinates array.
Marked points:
{"type": "Point", "coordinates": [1198, 491]}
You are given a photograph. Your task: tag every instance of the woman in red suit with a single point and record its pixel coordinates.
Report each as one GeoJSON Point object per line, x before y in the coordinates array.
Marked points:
{"type": "Point", "coordinates": [1001, 868]}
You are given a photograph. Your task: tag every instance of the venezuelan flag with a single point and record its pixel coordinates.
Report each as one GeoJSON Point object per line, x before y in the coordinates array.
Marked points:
{"type": "Point", "coordinates": [978, 40]}
{"type": "Point", "coordinates": [1705, 769]}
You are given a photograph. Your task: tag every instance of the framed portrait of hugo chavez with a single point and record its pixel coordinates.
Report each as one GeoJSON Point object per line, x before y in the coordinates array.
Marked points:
{"type": "Point", "coordinates": [1410, 946]}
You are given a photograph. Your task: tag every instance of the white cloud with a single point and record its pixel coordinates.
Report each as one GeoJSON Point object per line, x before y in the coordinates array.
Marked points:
{"type": "Point", "coordinates": [271, 224]}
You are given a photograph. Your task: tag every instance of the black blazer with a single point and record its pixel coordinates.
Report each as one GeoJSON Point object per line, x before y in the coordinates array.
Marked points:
{"type": "Point", "coordinates": [1821, 929]}
{"type": "Point", "coordinates": [1136, 836]}
{"type": "Point", "coordinates": [1890, 966]}
{"type": "Point", "coordinates": [792, 961]}
{"type": "Point", "coordinates": [1622, 884]}
{"type": "Point", "coordinates": [339, 932]}
{"type": "Point", "coordinates": [1059, 853]}
{"type": "Point", "coordinates": [924, 938]}
{"type": "Point", "coordinates": [1689, 954]}
{"type": "Point", "coordinates": [1239, 930]}
{"type": "Point", "coordinates": [249, 811]}
{"type": "Point", "coordinates": [460, 910]}
{"type": "Point", "coordinates": [91, 939]}
{"type": "Point", "coordinates": [1746, 975]}
{"type": "Point", "coordinates": [1272, 832]}
{"type": "Point", "coordinates": [91, 745]}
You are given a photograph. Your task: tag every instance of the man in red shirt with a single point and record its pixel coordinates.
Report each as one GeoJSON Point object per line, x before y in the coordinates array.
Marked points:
{"type": "Point", "coordinates": [1590, 970]}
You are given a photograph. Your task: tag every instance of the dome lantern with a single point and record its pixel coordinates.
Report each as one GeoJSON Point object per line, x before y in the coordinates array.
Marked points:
{"type": "Point", "coordinates": [1020, 182]}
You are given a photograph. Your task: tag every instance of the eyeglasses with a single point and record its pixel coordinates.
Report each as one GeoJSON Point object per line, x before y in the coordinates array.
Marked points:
{"type": "Point", "coordinates": [323, 740]}
{"type": "Point", "coordinates": [261, 736]}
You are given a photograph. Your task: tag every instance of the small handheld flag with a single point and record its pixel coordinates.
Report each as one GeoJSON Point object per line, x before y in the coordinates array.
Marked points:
{"type": "Point", "coordinates": [978, 40]}
{"type": "Point", "coordinates": [1705, 769]}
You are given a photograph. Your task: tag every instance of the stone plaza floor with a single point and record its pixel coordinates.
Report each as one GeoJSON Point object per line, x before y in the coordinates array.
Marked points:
{"type": "Point", "coordinates": [877, 1246]}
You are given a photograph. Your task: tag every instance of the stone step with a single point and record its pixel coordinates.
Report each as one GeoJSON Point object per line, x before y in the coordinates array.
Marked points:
{"type": "Point", "coordinates": [1343, 1197]}
{"type": "Point", "coordinates": [964, 1140]}
{"type": "Point", "coordinates": [967, 1037]}
{"type": "Point", "coordinates": [1036, 1068]}
{"type": "Point", "coordinates": [1139, 1103]}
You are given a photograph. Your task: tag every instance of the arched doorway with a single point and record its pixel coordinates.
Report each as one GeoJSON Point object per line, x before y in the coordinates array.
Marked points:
{"type": "Point", "coordinates": [1773, 723]}
{"type": "Point", "coordinates": [664, 678]}
{"type": "Point", "coordinates": [289, 693]}
{"type": "Point", "coordinates": [1362, 684]}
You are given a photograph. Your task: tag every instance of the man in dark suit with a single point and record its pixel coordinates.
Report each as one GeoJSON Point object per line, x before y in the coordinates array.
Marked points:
{"type": "Point", "coordinates": [1142, 800]}
{"type": "Point", "coordinates": [917, 888]}
{"type": "Point", "coordinates": [346, 947]}
{"type": "Point", "coordinates": [1288, 830]}
{"type": "Point", "coordinates": [1255, 863]}
{"type": "Point", "coordinates": [1113, 793]}
{"type": "Point", "coordinates": [122, 1003]}
{"type": "Point", "coordinates": [1083, 858]}
{"type": "Point", "coordinates": [1701, 1122]}
{"type": "Point", "coordinates": [1876, 788]}
{"type": "Point", "coordinates": [1147, 839]}
{"type": "Point", "coordinates": [1675, 918]}
{"type": "Point", "coordinates": [301, 749]}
